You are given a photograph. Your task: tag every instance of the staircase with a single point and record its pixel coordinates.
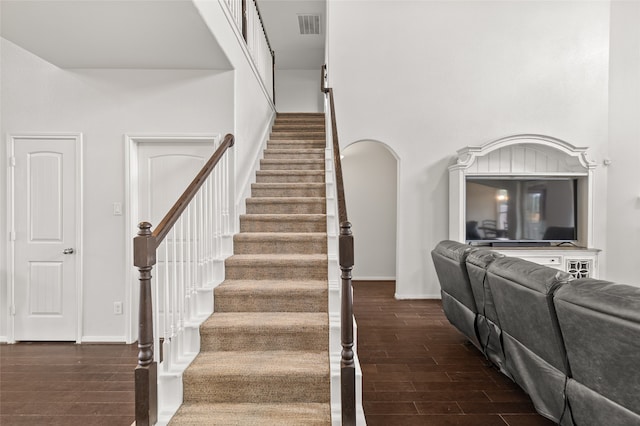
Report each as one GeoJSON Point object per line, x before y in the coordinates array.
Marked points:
{"type": "Point", "coordinates": [264, 356]}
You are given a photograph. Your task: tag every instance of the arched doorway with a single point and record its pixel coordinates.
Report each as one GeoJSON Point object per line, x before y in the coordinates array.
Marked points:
{"type": "Point", "coordinates": [370, 171]}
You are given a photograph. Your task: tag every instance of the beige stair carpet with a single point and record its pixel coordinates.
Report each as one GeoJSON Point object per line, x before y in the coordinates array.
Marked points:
{"type": "Point", "coordinates": [264, 356]}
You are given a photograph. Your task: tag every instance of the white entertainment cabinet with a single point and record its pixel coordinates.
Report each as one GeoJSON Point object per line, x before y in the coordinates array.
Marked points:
{"type": "Point", "coordinates": [534, 156]}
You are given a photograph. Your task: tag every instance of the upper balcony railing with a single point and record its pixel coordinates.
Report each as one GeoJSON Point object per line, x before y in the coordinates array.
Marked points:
{"type": "Point", "coordinates": [248, 19]}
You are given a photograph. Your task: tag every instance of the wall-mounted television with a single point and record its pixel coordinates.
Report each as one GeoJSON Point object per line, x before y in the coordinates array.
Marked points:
{"type": "Point", "coordinates": [521, 209]}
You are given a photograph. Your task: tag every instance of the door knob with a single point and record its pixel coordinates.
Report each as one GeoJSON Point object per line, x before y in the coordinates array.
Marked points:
{"type": "Point", "coordinates": [68, 251]}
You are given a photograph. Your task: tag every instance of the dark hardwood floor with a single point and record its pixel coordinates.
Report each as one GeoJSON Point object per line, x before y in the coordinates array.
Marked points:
{"type": "Point", "coordinates": [417, 370]}
{"type": "Point", "coordinates": [67, 384]}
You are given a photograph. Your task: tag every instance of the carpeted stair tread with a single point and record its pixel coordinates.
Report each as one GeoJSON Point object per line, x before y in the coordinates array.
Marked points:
{"type": "Point", "coordinates": [260, 376]}
{"type": "Point", "coordinates": [311, 189]}
{"type": "Point", "coordinates": [276, 266]}
{"type": "Point", "coordinates": [311, 136]}
{"type": "Point", "coordinates": [291, 164]}
{"type": "Point", "coordinates": [267, 331]}
{"type": "Point", "coordinates": [290, 176]}
{"type": "Point", "coordinates": [271, 296]}
{"type": "Point", "coordinates": [296, 144]}
{"type": "Point", "coordinates": [286, 205]}
{"type": "Point", "coordinates": [300, 153]}
{"type": "Point", "coordinates": [263, 322]}
{"type": "Point", "coordinates": [248, 364]}
{"type": "Point", "coordinates": [297, 126]}
{"type": "Point", "coordinates": [291, 259]}
{"type": "Point", "coordinates": [227, 414]}
{"type": "Point", "coordinates": [280, 242]}
{"type": "Point", "coordinates": [283, 223]}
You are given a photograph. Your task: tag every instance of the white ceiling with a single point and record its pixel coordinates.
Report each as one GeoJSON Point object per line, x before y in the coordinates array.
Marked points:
{"type": "Point", "coordinates": [151, 34]}
{"type": "Point", "coordinates": [113, 34]}
{"type": "Point", "coordinates": [293, 50]}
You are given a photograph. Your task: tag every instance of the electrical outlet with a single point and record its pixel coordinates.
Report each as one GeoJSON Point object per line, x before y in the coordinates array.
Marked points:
{"type": "Point", "coordinates": [117, 209]}
{"type": "Point", "coordinates": [117, 308]}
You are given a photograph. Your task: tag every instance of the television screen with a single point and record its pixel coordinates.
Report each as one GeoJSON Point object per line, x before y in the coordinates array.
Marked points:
{"type": "Point", "coordinates": [521, 209]}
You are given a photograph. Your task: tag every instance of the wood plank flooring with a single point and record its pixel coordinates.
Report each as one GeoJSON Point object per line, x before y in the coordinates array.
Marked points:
{"type": "Point", "coordinates": [419, 370]}
{"type": "Point", "coordinates": [67, 384]}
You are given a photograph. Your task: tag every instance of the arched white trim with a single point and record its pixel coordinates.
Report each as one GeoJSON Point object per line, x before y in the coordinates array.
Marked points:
{"type": "Point", "coordinates": [575, 158]}
{"type": "Point", "coordinates": [387, 146]}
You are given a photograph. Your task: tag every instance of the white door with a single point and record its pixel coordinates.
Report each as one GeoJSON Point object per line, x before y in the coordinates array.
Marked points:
{"type": "Point", "coordinates": [160, 169]}
{"type": "Point", "coordinates": [165, 169]}
{"type": "Point", "coordinates": [45, 287]}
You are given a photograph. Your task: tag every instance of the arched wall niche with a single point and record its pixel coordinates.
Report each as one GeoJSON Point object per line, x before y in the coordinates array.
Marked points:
{"type": "Point", "coordinates": [370, 170]}
{"type": "Point", "coordinates": [528, 155]}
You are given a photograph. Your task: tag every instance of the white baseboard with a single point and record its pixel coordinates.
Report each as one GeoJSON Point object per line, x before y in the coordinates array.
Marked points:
{"type": "Point", "coordinates": [4, 339]}
{"type": "Point", "coordinates": [373, 279]}
{"type": "Point", "coordinates": [104, 339]}
{"type": "Point", "coordinates": [417, 296]}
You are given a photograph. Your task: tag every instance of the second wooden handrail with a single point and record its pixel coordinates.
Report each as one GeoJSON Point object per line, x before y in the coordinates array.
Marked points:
{"type": "Point", "coordinates": [346, 261]}
{"type": "Point", "coordinates": [342, 205]}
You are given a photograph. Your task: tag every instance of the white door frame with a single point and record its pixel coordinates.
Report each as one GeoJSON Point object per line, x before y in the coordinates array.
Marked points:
{"type": "Point", "coordinates": [12, 139]}
{"type": "Point", "coordinates": [132, 143]}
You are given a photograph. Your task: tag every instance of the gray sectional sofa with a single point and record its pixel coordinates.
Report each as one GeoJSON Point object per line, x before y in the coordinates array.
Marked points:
{"type": "Point", "coordinates": [572, 345]}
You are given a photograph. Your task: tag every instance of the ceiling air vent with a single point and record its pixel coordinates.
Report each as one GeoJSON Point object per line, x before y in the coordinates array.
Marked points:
{"type": "Point", "coordinates": [309, 24]}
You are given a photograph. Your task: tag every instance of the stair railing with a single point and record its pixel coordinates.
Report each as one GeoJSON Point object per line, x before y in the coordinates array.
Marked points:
{"type": "Point", "coordinates": [346, 261]}
{"type": "Point", "coordinates": [186, 243]}
{"type": "Point", "coordinates": [248, 19]}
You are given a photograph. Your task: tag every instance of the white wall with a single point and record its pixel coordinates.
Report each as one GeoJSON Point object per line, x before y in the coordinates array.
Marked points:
{"type": "Point", "coordinates": [623, 228]}
{"type": "Point", "coordinates": [299, 91]}
{"type": "Point", "coordinates": [370, 171]}
{"type": "Point", "coordinates": [464, 73]}
{"type": "Point", "coordinates": [104, 105]}
{"type": "Point", "coordinates": [254, 112]}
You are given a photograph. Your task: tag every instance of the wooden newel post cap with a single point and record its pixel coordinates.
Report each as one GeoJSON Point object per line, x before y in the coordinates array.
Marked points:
{"type": "Point", "coordinates": [345, 228]}
{"type": "Point", "coordinates": [233, 140]}
{"type": "Point", "coordinates": [145, 229]}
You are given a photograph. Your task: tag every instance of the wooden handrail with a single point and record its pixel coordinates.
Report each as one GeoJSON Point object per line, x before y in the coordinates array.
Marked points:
{"type": "Point", "coordinates": [342, 205]}
{"type": "Point", "coordinates": [346, 261]}
{"type": "Point", "coordinates": [145, 245]}
{"type": "Point", "coordinates": [264, 30]}
{"type": "Point", "coordinates": [174, 213]}
{"type": "Point", "coordinates": [271, 51]}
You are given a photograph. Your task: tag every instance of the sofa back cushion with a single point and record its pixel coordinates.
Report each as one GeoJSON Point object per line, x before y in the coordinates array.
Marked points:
{"type": "Point", "coordinates": [449, 260]}
{"type": "Point", "coordinates": [523, 293]}
{"type": "Point", "coordinates": [477, 263]}
{"type": "Point", "coordinates": [600, 324]}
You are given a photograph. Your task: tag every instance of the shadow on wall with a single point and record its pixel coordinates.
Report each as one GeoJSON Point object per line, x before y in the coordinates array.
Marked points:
{"type": "Point", "coordinates": [434, 220]}
{"type": "Point", "coordinates": [370, 171]}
